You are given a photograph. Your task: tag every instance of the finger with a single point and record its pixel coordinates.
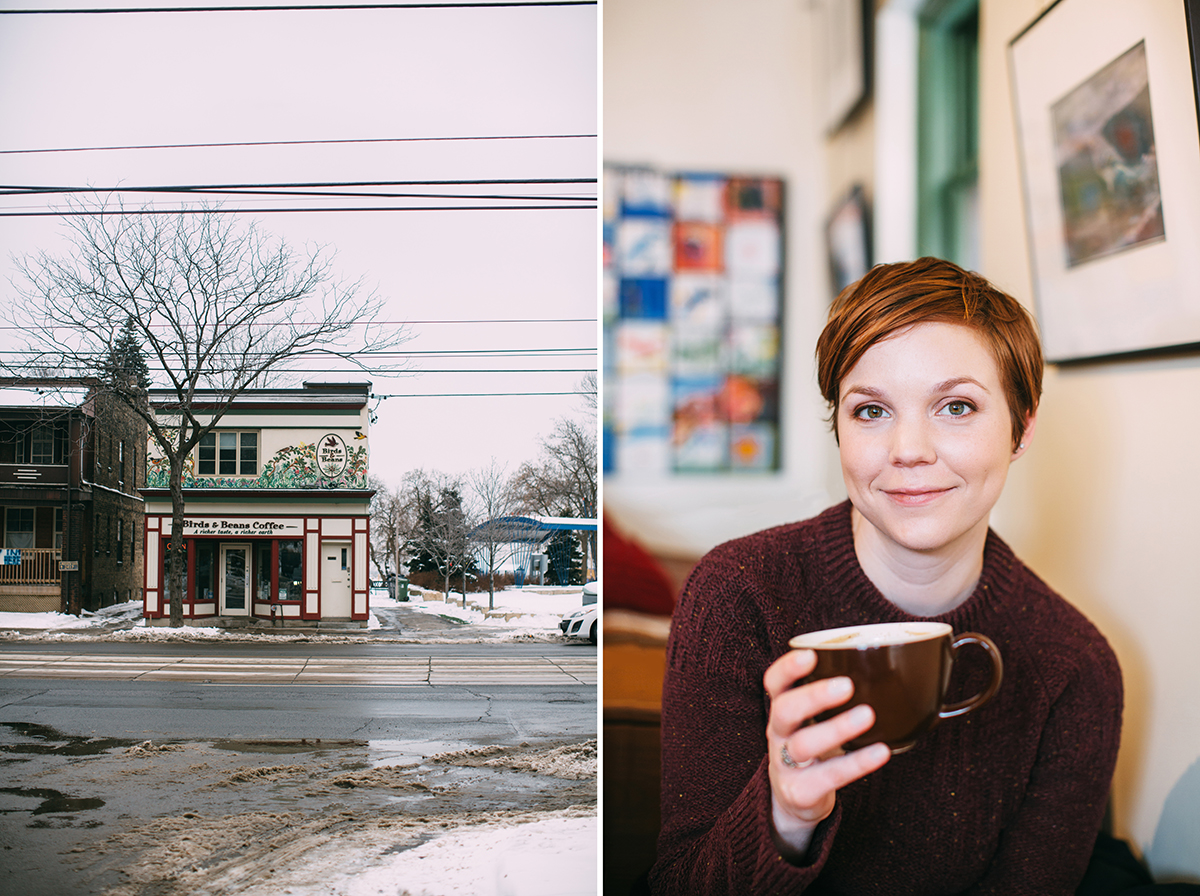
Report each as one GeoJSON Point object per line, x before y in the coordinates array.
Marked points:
{"type": "Point", "coordinates": [807, 790]}
{"type": "Point", "coordinates": [794, 707]}
{"type": "Point", "coordinates": [827, 738]}
{"type": "Point", "coordinates": [787, 670]}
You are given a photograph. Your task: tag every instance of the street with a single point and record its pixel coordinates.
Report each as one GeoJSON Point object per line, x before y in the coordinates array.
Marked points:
{"type": "Point", "coordinates": [131, 768]}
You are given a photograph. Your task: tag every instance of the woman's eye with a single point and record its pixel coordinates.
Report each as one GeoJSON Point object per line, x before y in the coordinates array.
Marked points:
{"type": "Point", "coordinates": [870, 412]}
{"type": "Point", "coordinates": [957, 408]}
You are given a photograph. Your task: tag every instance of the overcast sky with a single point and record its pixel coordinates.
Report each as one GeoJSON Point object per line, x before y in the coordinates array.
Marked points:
{"type": "Point", "coordinates": [157, 79]}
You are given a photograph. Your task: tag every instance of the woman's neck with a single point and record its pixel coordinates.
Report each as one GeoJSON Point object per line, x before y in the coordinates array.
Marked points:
{"type": "Point", "coordinates": [922, 583]}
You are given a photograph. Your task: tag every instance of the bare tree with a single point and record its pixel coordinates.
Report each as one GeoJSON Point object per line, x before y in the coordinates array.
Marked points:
{"type": "Point", "coordinates": [438, 525]}
{"type": "Point", "coordinates": [390, 524]}
{"type": "Point", "coordinates": [590, 391]}
{"type": "Point", "coordinates": [493, 502]}
{"type": "Point", "coordinates": [219, 307]}
{"type": "Point", "coordinates": [563, 481]}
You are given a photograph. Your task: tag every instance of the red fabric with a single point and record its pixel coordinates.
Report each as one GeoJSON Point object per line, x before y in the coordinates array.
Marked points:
{"type": "Point", "coordinates": [632, 578]}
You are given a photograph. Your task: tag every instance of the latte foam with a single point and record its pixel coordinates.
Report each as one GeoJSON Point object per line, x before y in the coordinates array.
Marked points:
{"type": "Point", "coordinates": [877, 635]}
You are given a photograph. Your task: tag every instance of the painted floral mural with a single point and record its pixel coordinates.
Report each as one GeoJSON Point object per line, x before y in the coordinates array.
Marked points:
{"type": "Point", "coordinates": [292, 467]}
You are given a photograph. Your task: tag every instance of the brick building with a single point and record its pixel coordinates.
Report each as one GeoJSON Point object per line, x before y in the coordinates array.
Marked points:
{"type": "Point", "coordinates": [70, 512]}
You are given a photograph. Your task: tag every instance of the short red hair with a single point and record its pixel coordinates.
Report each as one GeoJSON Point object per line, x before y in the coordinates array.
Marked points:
{"type": "Point", "coordinates": [891, 297]}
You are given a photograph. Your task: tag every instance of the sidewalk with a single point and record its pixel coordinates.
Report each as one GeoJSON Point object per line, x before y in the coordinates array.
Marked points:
{"type": "Point", "coordinates": [529, 615]}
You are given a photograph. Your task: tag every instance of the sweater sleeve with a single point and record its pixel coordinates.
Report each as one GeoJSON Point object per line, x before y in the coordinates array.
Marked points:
{"type": "Point", "coordinates": [1046, 848]}
{"type": "Point", "coordinates": [715, 836]}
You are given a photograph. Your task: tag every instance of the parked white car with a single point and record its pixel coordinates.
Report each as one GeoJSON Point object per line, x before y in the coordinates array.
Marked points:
{"type": "Point", "coordinates": [582, 623]}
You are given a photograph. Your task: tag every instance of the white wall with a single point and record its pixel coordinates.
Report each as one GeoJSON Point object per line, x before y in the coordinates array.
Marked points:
{"type": "Point", "coordinates": [1104, 504]}
{"type": "Point", "coordinates": [710, 85]}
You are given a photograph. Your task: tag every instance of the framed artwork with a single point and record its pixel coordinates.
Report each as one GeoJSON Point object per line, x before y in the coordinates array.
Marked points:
{"type": "Point", "coordinates": [848, 236]}
{"type": "Point", "coordinates": [844, 27]}
{"type": "Point", "coordinates": [693, 285]}
{"type": "Point", "coordinates": [1105, 100]}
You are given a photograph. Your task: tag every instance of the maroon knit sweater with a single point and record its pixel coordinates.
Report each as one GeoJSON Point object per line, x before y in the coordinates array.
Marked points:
{"type": "Point", "coordinates": [1007, 799]}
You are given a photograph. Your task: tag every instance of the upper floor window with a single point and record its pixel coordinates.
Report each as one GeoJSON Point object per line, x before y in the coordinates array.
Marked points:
{"type": "Point", "coordinates": [36, 443]}
{"type": "Point", "coordinates": [121, 464]}
{"type": "Point", "coordinates": [228, 454]}
{"type": "Point", "coordinates": [43, 444]}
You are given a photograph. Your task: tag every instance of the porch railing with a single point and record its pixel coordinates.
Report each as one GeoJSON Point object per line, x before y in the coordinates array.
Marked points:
{"type": "Point", "coordinates": [29, 566]}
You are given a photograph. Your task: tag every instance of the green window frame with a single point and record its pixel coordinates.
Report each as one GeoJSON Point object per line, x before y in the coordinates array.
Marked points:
{"type": "Point", "coordinates": [948, 131]}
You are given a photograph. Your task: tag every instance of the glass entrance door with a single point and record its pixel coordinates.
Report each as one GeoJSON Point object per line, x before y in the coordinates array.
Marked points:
{"type": "Point", "coordinates": [235, 579]}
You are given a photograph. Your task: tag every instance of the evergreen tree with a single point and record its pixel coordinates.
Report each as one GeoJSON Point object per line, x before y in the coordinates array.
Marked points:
{"type": "Point", "coordinates": [126, 361]}
{"type": "Point", "coordinates": [423, 541]}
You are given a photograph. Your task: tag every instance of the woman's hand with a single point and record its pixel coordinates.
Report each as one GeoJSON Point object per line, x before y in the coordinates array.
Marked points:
{"type": "Point", "coordinates": [803, 794]}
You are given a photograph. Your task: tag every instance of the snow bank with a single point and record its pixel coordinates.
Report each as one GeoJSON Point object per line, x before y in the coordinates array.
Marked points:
{"type": "Point", "coordinates": [549, 857]}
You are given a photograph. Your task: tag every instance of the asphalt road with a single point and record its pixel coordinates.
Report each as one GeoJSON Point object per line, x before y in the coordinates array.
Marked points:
{"type": "Point", "coordinates": [115, 756]}
{"type": "Point", "coordinates": [483, 693]}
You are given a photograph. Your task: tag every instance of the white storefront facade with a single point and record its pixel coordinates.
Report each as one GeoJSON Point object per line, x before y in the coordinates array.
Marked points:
{"type": "Point", "coordinates": [276, 524]}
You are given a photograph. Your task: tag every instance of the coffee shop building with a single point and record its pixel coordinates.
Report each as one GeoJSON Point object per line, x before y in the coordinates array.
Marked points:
{"type": "Point", "coordinates": [276, 520]}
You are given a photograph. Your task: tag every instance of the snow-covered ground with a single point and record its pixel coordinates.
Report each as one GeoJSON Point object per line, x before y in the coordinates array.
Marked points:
{"type": "Point", "coordinates": [539, 853]}
{"type": "Point", "coordinates": [554, 856]}
{"type": "Point", "coordinates": [516, 614]}
{"type": "Point", "coordinates": [52, 621]}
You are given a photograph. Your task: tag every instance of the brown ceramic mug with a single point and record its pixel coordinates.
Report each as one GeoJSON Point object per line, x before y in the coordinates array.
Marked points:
{"type": "Point", "coordinates": [902, 669]}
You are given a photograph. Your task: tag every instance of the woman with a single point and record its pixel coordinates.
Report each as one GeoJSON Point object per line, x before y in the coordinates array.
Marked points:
{"type": "Point", "coordinates": [933, 377]}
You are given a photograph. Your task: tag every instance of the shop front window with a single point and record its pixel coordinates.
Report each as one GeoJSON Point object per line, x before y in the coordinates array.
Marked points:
{"type": "Point", "coordinates": [262, 566]}
{"type": "Point", "coordinates": [205, 566]}
{"type": "Point", "coordinates": [291, 569]}
{"type": "Point", "coordinates": [170, 560]}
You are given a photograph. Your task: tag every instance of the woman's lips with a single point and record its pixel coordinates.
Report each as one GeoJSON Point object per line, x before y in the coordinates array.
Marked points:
{"type": "Point", "coordinates": [915, 497]}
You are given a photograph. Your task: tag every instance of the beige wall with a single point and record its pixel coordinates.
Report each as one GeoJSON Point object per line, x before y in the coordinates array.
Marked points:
{"type": "Point", "coordinates": [709, 85]}
{"type": "Point", "coordinates": [1103, 505]}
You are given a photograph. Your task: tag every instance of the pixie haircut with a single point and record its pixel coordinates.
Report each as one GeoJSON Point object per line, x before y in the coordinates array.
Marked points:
{"type": "Point", "coordinates": [891, 297]}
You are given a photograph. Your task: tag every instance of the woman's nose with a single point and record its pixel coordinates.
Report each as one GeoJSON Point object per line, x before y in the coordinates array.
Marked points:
{"type": "Point", "coordinates": [912, 442]}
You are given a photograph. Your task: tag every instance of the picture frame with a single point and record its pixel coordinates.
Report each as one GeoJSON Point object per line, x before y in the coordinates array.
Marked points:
{"type": "Point", "coordinates": [845, 30]}
{"type": "Point", "coordinates": [848, 239]}
{"type": "Point", "coordinates": [1109, 147]}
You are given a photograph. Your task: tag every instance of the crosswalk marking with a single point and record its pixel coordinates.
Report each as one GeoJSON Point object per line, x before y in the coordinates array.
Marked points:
{"type": "Point", "coordinates": [480, 669]}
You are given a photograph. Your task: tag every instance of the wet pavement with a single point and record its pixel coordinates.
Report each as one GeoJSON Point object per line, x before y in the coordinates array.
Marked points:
{"type": "Point", "coordinates": [96, 815]}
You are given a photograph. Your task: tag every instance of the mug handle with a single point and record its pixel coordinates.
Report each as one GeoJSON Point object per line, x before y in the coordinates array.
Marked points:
{"type": "Point", "coordinates": [958, 709]}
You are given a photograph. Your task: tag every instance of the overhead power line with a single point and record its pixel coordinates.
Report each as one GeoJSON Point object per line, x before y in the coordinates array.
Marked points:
{"type": "Point", "coordinates": [104, 213]}
{"type": "Point", "coordinates": [432, 353]}
{"type": "Point", "coordinates": [496, 320]}
{"type": "Point", "coordinates": [423, 370]}
{"type": "Point", "coordinates": [366, 191]}
{"type": "Point", "coordinates": [268, 190]}
{"type": "Point", "coordinates": [294, 7]}
{"type": "Point", "coordinates": [246, 143]}
{"type": "Point", "coordinates": [472, 394]}
{"type": "Point", "coordinates": [310, 185]}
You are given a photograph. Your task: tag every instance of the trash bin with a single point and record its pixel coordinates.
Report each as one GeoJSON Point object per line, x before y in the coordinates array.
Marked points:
{"type": "Point", "coordinates": [401, 588]}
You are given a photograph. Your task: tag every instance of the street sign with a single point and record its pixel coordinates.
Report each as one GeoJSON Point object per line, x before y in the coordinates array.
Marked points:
{"type": "Point", "coordinates": [68, 566]}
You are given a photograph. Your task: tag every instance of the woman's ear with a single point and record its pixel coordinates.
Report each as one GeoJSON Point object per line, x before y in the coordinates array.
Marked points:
{"type": "Point", "coordinates": [1027, 436]}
